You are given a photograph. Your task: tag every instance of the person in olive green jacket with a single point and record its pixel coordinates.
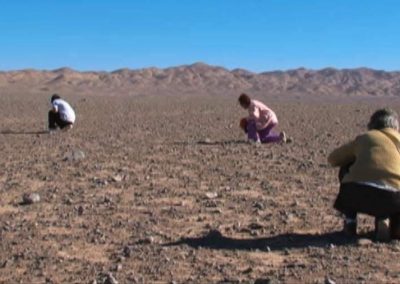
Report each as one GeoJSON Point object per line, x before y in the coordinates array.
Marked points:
{"type": "Point", "coordinates": [370, 176]}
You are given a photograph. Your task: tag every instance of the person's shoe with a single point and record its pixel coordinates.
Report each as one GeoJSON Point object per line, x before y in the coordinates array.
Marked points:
{"type": "Point", "coordinates": [68, 127]}
{"type": "Point", "coordinates": [252, 142]}
{"type": "Point", "coordinates": [52, 130]}
{"type": "Point", "coordinates": [382, 230]}
{"type": "Point", "coordinates": [283, 137]}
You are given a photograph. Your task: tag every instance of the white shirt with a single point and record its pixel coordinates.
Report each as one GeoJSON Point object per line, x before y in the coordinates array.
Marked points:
{"type": "Point", "coordinates": [66, 112]}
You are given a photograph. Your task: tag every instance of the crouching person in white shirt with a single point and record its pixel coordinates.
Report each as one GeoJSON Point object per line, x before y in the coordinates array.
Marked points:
{"type": "Point", "coordinates": [61, 115]}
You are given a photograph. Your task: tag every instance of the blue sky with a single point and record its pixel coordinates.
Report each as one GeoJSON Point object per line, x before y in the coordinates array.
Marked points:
{"type": "Point", "coordinates": [258, 35]}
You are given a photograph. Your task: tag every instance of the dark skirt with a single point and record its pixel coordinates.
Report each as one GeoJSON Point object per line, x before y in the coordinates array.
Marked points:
{"type": "Point", "coordinates": [367, 199]}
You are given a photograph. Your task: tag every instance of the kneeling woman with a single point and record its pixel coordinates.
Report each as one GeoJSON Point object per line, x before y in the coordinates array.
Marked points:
{"type": "Point", "coordinates": [370, 176]}
{"type": "Point", "coordinates": [260, 122]}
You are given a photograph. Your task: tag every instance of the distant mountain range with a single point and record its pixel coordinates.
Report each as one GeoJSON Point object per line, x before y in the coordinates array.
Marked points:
{"type": "Point", "coordinates": [200, 78]}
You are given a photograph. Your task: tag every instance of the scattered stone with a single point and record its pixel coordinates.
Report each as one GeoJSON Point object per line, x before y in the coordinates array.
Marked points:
{"type": "Point", "coordinates": [30, 198]}
{"type": "Point", "coordinates": [75, 155]}
{"type": "Point", "coordinates": [262, 281]}
{"type": "Point", "coordinates": [211, 195]}
{"type": "Point", "coordinates": [259, 205]}
{"type": "Point", "coordinates": [148, 240]}
{"type": "Point", "coordinates": [107, 199]}
{"type": "Point", "coordinates": [117, 178]}
{"type": "Point", "coordinates": [247, 270]}
{"type": "Point", "coordinates": [109, 279]}
{"type": "Point", "coordinates": [118, 267]}
{"type": "Point", "coordinates": [205, 141]}
{"type": "Point", "coordinates": [100, 182]}
{"type": "Point", "coordinates": [364, 242]}
{"type": "Point", "coordinates": [68, 201]}
{"type": "Point", "coordinates": [217, 211]}
{"type": "Point", "coordinates": [127, 251]}
{"type": "Point", "coordinates": [80, 210]}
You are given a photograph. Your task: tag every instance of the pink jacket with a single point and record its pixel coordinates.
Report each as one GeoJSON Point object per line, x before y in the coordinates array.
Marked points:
{"type": "Point", "coordinates": [261, 114]}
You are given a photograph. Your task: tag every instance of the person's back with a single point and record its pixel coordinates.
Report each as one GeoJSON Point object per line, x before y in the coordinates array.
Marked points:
{"type": "Point", "coordinates": [262, 114]}
{"type": "Point", "coordinates": [375, 158]}
{"type": "Point", "coordinates": [66, 111]}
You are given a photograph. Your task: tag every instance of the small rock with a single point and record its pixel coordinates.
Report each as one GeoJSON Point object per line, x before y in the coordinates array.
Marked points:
{"type": "Point", "coordinates": [107, 199]}
{"type": "Point", "coordinates": [247, 270]}
{"type": "Point", "coordinates": [289, 140]}
{"type": "Point", "coordinates": [75, 155]}
{"type": "Point", "coordinates": [364, 242]}
{"type": "Point", "coordinates": [80, 210]}
{"type": "Point", "coordinates": [217, 211]}
{"type": "Point", "coordinates": [68, 201]}
{"type": "Point", "coordinates": [211, 195]}
{"type": "Point", "coordinates": [118, 267]}
{"type": "Point", "coordinates": [117, 178]}
{"type": "Point", "coordinates": [110, 279]}
{"type": "Point", "coordinates": [259, 205]}
{"type": "Point", "coordinates": [127, 251]}
{"type": "Point", "coordinates": [148, 240]}
{"type": "Point", "coordinates": [30, 198]}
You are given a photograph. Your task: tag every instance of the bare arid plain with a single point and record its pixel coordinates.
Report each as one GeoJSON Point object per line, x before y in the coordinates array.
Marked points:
{"type": "Point", "coordinates": [165, 189]}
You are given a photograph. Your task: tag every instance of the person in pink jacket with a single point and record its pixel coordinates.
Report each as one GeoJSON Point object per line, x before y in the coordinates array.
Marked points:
{"type": "Point", "coordinates": [260, 122]}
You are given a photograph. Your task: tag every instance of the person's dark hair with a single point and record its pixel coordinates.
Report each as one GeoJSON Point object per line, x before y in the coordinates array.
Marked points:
{"type": "Point", "coordinates": [384, 118]}
{"type": "Point", "coordinates": [244, 100]}
{"type": "Point", "coordinates": [55, 97]}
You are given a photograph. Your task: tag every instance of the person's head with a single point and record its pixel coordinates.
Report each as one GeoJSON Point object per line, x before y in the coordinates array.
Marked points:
{"type": "Point", "coordinates": [384, 118]}
{"type": "Point", "coordinates": [244, 101]}
{"type": "Point", "coordinates": [55, 97]}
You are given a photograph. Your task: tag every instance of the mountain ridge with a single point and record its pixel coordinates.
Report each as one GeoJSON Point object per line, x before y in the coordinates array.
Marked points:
{"type": "Point", "coordinates": [201, 78]}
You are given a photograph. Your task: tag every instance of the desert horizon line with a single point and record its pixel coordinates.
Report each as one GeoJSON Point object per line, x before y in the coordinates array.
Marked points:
{"type": "Point", "coordinates": [197, 63]}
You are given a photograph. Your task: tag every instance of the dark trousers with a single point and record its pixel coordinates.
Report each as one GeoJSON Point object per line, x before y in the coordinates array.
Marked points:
{"type": "Point", "coordinates": [356, 198]}
{"type": "Point", "coordinates": [265, 135]}
{"type": "Point", "coordinates": [56, 121]}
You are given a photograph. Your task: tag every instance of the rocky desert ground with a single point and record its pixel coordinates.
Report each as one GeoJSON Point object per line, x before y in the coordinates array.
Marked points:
{"type": "Point", "coordinates": [165, 189]}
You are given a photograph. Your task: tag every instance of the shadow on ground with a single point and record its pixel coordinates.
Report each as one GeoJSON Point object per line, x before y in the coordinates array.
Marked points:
{"type": "Point", "coordinates": [13, 132]}
{"type": "Point", "coordinates": [211, 143]}
{"type": "Point", "coordinates": [215, 240]}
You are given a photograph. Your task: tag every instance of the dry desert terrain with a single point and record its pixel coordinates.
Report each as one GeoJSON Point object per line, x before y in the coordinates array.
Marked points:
{"type": "Point", "coordinates": [164, 189]}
